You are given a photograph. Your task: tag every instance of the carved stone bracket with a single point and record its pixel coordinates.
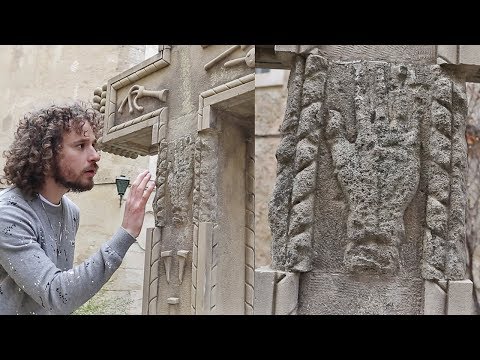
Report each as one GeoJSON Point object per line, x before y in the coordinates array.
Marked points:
{"type": "Point", "coordinates": [134, 133]}
{"type": "Point", "coordinates": [182, 261]}
{"type": "Point", "coordinates": [167, 261]}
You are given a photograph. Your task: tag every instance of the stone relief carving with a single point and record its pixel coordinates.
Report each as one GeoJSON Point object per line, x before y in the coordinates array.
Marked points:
{"type": "Point", "coordinates": [160, 179]}
{"type": "Point", "coordinates": [293, 195]}
{"type": "Point", "coordinates": [205, 198]}
{"type": "Point", "coordinates": [138, 92]}
{"type": "Point", "coordinates": [248, 59]}
{"type": "Point", "coordinates": [379, 171]}
{"type": "Point", "coordinates": [196, 182]}
{"type": "Point", "coordinates": [167, 262]}
{"type": "Point", "coordinates": [100, 98]}
{"type": "Point", "coordinates": [182, 261]}
{"type": "Point", "coordinates": [387, 125]}
{"type": "Point", "coordinates": [119, 129]}
{"type": "Point", "coordinates": [180, 178]}
{"type": "Point", "coordinates": [444, 247]}
{"type": "Point", "coordinates": [168, 256]}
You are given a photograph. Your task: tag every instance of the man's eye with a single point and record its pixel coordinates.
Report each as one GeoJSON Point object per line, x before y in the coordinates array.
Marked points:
{"type": "Point", "coordinates": [80, 146]}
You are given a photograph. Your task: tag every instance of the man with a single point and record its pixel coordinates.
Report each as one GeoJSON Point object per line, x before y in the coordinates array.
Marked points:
{"type": "Point", "coordinates": [54, 151]}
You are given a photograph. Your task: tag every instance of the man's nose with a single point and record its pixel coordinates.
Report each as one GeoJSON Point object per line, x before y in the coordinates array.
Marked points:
{"type": "Point", "coordinates": [94, 154]}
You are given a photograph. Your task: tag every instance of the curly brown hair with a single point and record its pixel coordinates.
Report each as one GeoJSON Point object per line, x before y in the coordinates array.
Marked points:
{"type": "Point", "coordinates": [38, 140]}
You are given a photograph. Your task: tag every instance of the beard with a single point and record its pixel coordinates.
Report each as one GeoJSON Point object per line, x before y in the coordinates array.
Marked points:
{"type": "Point", "coordinates": [76, 186]}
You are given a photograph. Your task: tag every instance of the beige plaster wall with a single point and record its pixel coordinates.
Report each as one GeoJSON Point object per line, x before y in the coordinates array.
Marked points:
{"type": "Point", "coordinates": [37, 75]}
{"type": "Point", "coordinates": [270, 101]}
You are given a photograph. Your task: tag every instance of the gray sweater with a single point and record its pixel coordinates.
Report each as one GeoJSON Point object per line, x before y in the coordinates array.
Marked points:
{"type": "Point", "coordinates": [37, 245]}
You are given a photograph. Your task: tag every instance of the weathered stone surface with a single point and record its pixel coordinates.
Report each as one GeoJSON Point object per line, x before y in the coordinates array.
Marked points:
{"type": "Point", "coordinates": [370, 179]}
{"type": "Point", "coordinates": [343, 294]}
{"type": "Point", "coordinates": [199, 117]}
{"type": "Point", "coordinates": [378, 171]}
{"type": "Point", "coordinates": [370, 115]}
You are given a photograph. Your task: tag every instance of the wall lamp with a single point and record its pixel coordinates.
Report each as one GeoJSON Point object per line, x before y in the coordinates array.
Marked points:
{"type": "Point", "coordinates": [122, 183]}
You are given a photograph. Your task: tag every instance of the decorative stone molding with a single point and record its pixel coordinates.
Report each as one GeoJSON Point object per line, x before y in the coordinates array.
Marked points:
{"type": "Point", "coordinates": [182, 261]}
{"type": "Point", "coordinates": [204, 260]}
{"type": "Point", "coordinates": [159, 205]}
{"type": "Point", "coordinates": [293, 197]}
{"type": "Point", "coordinates": [204, 194]}
{"type": "Point", "coordinates": [180, 178]}
{"type": "Point", "coordinates": [122, 137]}
{"type": "Point", "coordinates": [250, 228]}
{"type": "Point", "coordinates": [219, 94]}
{"type": "Point", "coordinates": [151, 271]}
{"type": "Point", "coordinates": [203, 269]}
{"type": "Point", "coordinates": [167, 262]}
{"type": "Point", "coordinates": [248, 59]}
{"type": "Point", "coordinates": [100, 98]}
{"type": "Point", "coordinates": [445, 162]}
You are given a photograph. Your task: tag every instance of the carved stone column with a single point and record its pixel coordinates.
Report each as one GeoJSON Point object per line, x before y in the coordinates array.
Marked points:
{"type": "Point", "coordinates": [193, 106]}
{"type": "Point", "coordinates": [369, 202]}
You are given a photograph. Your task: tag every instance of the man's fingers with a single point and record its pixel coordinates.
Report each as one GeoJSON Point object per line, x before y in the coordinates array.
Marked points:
{"type": "Point", "coordinates": [143, 183]}
{"type": "Point", "coordinates": [139, 179]}
{"type": "Point", "coordinates": [149, 189]}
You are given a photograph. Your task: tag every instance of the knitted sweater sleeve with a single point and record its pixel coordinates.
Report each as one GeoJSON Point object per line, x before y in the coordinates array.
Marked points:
{"type": "Point", "coordinates": [59, 292]}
